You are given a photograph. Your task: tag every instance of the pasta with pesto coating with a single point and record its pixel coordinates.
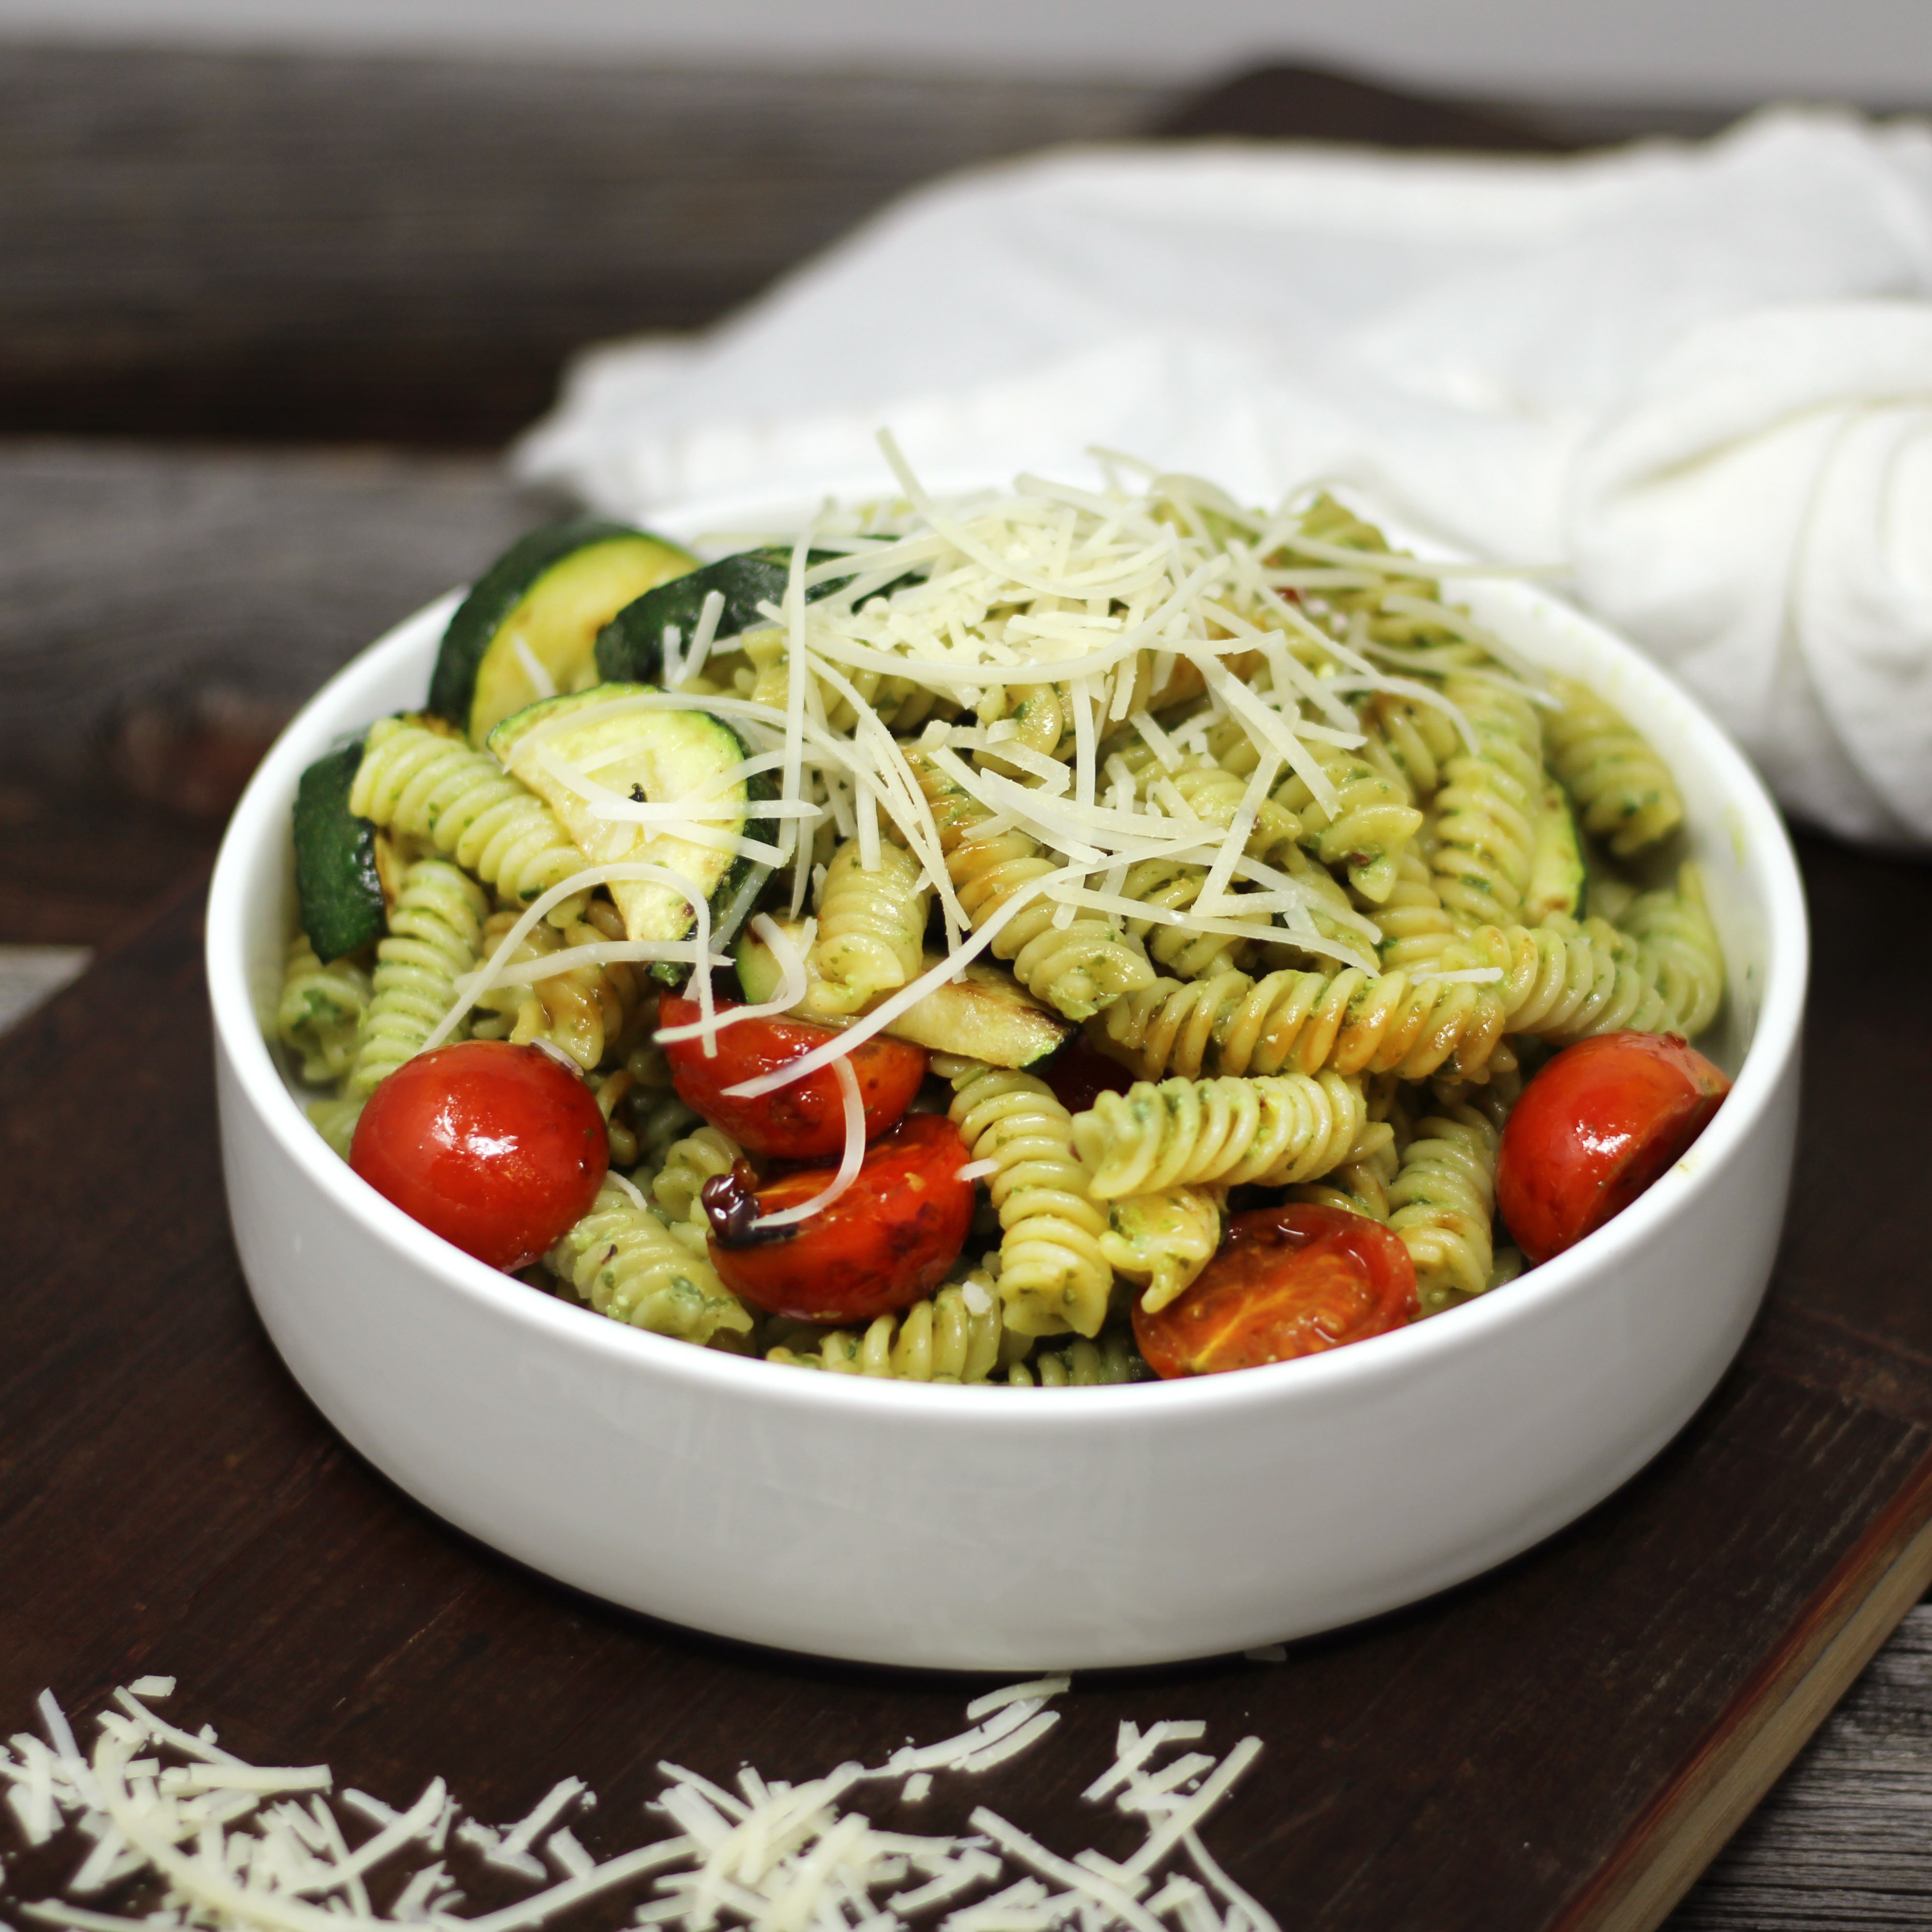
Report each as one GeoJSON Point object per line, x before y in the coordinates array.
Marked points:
{"type": "Point", "coordinates": [1486, 808]}
{"type": "Point", "coordinates": [1162, 1240]}
{"type": "Point", "coordinates": [1301, 1022]}
{"type": "Point", "coordinates": [1623, 791]}
{"type": "Point", "coordinates": [436, 929]}
{"type": "Point", "coordinates": [872, 925]}
{"type": "Point", "coordinates": [1674, 927]}
{"type": "Point", "coordinates": [1443, 1201]}
{"type": "Point", "coordinates": [622, 1261]}
{"type": "Point", "coordinates": [320, 1010]}
{"type": "Point", "coordinates": [1266, 1132]}
{"type": "Point", "coordinates": [429, 786]}
{"type": "Point", "coordinates": [588, 1011]}
{"type": "Point", "coordinates": [955, 1335]}
{"type": "Point", "coordinates": [678, 1185]}
{"type": "Point", "coordinates": [1077, 968]}
{"type": "Point", "coordinates": [1053, 1277]}
{"type": "Point", "coordinates": [1255, 799]}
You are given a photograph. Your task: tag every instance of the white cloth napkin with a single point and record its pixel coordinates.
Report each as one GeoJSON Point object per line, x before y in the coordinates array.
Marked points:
{"type": "Point", "coordinates": [1699, 376]}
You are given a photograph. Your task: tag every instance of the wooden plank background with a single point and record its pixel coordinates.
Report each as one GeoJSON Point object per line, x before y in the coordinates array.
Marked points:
{"type": "Point", "coordinates": [208, 248]}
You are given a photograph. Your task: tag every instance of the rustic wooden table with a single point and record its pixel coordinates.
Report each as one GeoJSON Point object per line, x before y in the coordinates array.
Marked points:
{"type": "Point", "coordinates": [1565, 1743]}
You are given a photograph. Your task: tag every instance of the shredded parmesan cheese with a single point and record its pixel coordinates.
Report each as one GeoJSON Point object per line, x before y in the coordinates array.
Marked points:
{"type": "Point", "coordinates": [231, 1854]}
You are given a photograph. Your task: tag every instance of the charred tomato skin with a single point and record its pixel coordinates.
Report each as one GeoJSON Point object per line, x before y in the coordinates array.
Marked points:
{"type": "Point", "coordinates": [499, 1149]}
{"type": "Point", "coordinates": [806, 1120]}
{"type": "Point", "coordinates": [1079, 1073]}
{"type": "Point", "coordinates": [1598, 1125]}
{"type": "Point", "coordinates": [1288, 1281]}
{"type": "Point", "coordinates": [888, 1240]}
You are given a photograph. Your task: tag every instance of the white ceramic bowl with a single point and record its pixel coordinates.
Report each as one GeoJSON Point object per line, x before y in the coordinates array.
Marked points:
{"type": "Point", "coordinates": [978, 1527]}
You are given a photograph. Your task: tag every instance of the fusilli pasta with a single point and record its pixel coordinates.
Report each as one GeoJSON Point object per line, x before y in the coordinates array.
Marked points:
{"type": "Point", "coordinates": [1443, 1198]}
{"type": "Point", "coordinates": [588, 1011]}
{"type": "Point", "coordinates": [622, 1260]}
{"type": "Point", "coordinates": [1053, 1275]}
{"type": "Point", "coordinates": [1675, 929]}
{"type": "Point", "coordinates": [428, 786]}
{"type": "Point", "coordinates": [1267, 1131]}
{"type": "Point", "coordinates": [1078, 967]}
{"type": "Point", "coordinates": [1623, 791]}
{"type": "Point", "coordinates": [1163, 1240]}
{"type": "Point", "coordinates": [955, 1336]}
{"type": "Point", "coordinates": [320, 1010]}
{"type": "Point", "coordinates": [872, 925]}
{"type": "Point", "coordinates": [1485, 809]}
{"type": "Point", "coordinates": [435, 929]}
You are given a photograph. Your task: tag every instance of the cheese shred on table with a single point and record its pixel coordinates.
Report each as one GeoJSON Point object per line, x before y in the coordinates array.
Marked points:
{"type": "Point", "coordinates": [210, 1843]}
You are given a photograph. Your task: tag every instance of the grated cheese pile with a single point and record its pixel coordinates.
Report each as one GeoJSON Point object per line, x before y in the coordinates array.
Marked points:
{"type": "Point", "coordinates": [923, 627]}
{"type": "Point", "coordinates": [235, 1847]}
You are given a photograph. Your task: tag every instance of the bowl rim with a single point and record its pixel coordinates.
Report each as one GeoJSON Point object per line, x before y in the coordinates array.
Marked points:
{"type": "Point", "coordinates": [261, 817]}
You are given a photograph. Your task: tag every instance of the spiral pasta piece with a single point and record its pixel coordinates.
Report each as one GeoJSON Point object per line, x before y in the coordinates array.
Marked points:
{"type": "Point", "coordinates": [435, 929]}
{"type": "Point", "coordinates": [1624, 792]}
{"type": "Point", "coordinates": [1077, 968]}
{"type": "Point", "coordinates": [1486, 808]}
{"type": "Point", "coordinates": [623, 1261]}
{"type": "Point", "coordinates": [590, 1012]}
{"type": "Point", "coordinates": [1110, 1358]}
{"type": "Point", "coordinates": [954, 1335]}
{"type": "Point", "coordinates": [1211, 788]}
{"type": "Point", "coordinates": [1360, 1187]}
{"type": "Point", "coordinates": [1353, 1022]}
{"type": "Point", "coordinates": [1444, 1198]}
{"type": "Point", "coordinates": [1163, 1240]}
{"type": "Point", "coordinates": [1173, 885]}
{"type": "Point", "coordinates": [1267, 1131]}
{"type": "Point", "coordinates": [1370, 827]}
{"type": "Point", "coordinates": [335, 1121]}
{"type": "Point", "coordinates": [901, 704]}
{"type": "Point", "coordinates": [427, 786]}
{"type": "Point", "coordinates": [701, 1156]}
{"type": "Point", "coordinates": [1415, 742]}
{"type": "Point", "coordinates": [1053, 1275]}
{"type": "Point", "coordinates": [1417, 929]}
{"type": "Point", "coordinates": [319, 1011]}
{"type": "Point", "coordinates": [1563, 982]}
{"type": "Point", "coordinates": [1039, 721]}
{"type": "Point", "coordinates": [1675, 929]}
{"type": "Point", "coordinates": [872, 926]}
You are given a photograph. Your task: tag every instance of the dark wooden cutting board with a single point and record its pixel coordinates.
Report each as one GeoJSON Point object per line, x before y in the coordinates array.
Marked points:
{"type": "Point", "coordinates": [1562, 1743]}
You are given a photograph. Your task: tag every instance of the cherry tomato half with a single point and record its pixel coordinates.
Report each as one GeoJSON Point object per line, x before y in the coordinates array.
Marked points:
{"type": "Point", "coordinates": [1594, 1128]}
{"type": "Point", "coordinates": [497, 1148]}
{"type": "Point", "coordinates": [886, 1241]}
{"type": "Point", "coordinates": [1288, 1281]}
{"type": "Point", "coordinates": [806, 1120]}
{"type": "Point", "coordinates": [1079, 1073]}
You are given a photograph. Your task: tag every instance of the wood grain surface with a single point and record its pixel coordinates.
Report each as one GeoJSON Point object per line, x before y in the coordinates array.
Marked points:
{"type": "Point", "coordinates": [204, 244]}
{"type": "Point", "coordinates": [339, 250]}
{"type": "Point", "coordinates": [224, 247]}
{"type": "Point", "coordinates": [1507, 1755]}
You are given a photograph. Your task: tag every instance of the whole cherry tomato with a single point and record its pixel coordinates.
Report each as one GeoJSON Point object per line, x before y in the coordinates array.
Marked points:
{"type": "Point", "coordinates": [1079, 1073]}
{"type": "Point", "coordinates": [499, 1149]}
{"type": "Point", "coordinates": [1594, 1130]}
{"type": "Point", "coordinates": [806, 1120]}
{"type": "Point", "coordinates": [886, 1241]}
{"type": "Point", "coordinates": [1288, 1281]}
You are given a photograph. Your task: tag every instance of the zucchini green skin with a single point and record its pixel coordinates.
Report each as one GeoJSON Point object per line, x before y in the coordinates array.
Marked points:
{"type": "Point", "coordinates": [337, 883]}
{"type": "Point", "coordinates": [630, 648]}
{"type": "Point", "coordinates": [514, 577]}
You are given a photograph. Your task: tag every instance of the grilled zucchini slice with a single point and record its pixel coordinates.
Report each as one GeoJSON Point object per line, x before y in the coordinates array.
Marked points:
{"type": "Point", "coordinates": [528, 629]}
{"type": "Point", "coordinates": [560, 744]}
